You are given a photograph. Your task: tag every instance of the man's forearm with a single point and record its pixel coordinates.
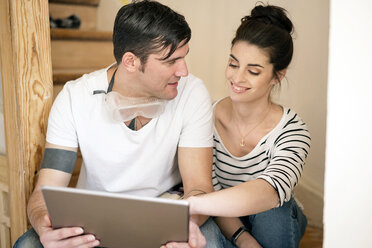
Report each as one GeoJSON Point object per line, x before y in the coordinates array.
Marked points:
{"type": "Point", "coordinates": [36, 209]}
{"type": "Point", "coordinates": [228, 226]}
{"type": "Point", "coordinates": [195, 166]}
{"type": "Point", "coordinates": [198, 219]}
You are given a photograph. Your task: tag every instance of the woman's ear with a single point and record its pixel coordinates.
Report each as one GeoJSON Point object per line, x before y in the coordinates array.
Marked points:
{"type": "Point", "coordinates": [279, 76]}
{"type": "Point", "coordinates": [130, 62]}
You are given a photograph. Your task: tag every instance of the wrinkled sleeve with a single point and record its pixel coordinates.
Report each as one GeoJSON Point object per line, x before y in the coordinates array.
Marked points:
{"type": "Point", "coordinates": [288, 158]}
{"type": "Point", "coordinates": [61, 127]}
{"type": "Point", "coordinates": [197, 128]}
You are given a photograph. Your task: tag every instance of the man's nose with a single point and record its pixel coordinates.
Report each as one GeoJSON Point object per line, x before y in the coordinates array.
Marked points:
{"type": "Point", "coordinates": [182, 70]}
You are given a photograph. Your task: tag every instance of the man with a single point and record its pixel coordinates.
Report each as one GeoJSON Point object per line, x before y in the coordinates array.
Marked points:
{"type": "Point", "coordinates": [130, 121]}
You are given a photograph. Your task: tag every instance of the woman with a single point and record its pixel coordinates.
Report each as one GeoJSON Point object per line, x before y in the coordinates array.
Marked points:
{"type": "Point", "coordinates": [260, 146]}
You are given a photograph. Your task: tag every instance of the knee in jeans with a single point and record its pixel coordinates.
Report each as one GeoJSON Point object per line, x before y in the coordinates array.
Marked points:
{"type": "Point", "coordinates": [282, 226]}
{"type": "Point", "coordinates": [29, 239]}
{"type": "Point", "coordinates": [213, 235]}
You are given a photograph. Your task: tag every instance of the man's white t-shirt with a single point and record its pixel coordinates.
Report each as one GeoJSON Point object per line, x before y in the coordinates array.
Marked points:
{"type": "Point", "coordinates": [118, 159]}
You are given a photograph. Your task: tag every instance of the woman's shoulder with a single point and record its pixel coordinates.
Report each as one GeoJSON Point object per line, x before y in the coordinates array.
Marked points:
{"type": "Point", "coordinates": [292, 124]}
{"type": "Point", "coordinates": [292, 118]}
{"type": "Point", "coordinates": [222, 109]}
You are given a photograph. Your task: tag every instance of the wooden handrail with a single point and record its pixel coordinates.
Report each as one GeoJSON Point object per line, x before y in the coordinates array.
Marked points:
{"type": "Point", "coordinates": [26, 70]}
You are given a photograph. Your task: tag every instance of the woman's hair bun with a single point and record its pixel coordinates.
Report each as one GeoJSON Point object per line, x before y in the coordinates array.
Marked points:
{"type": "Point", "coordinates": [271, 15]}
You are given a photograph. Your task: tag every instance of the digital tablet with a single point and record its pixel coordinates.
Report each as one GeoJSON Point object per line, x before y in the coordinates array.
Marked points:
{"type": "Point", "coordinates": [119, 220]}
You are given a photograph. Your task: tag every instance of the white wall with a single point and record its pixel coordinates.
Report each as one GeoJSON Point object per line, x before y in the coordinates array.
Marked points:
{"type": "Point", "coordinates": [213, 23]}
{"type": "Point", "coordinates": [106, 13]}
{"type": "Point", "coordinates": [348, 184]}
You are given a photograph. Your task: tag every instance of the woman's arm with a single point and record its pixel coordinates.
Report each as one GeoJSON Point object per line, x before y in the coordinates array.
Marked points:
{"type": "Point", "coordinates": [244, 199]}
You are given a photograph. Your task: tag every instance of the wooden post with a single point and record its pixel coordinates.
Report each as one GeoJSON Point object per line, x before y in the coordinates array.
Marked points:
{"type": "Point", "coordinates": [27, 94]}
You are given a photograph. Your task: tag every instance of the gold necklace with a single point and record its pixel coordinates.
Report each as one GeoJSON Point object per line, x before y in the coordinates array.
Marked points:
{"type": "Point", "coordinates": [242, 141]}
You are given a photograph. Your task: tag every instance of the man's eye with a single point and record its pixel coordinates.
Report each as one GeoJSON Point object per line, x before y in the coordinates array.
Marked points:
{"type": "Point", "coordinates": [233, 66]}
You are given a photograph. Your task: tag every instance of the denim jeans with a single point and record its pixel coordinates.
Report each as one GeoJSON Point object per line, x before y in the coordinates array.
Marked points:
{"type": "Point", "coordinates": [281, 227]}
{"type": "Point", "coordinates": [213, 235]}
{"type": "Point", "coordinates": [210, 230]}
{"type": "Point", "coordinates": [28, 239]}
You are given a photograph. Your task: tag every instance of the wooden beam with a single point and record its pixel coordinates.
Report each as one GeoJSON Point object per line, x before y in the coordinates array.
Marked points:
{"type": "Point", "coordinates": [27, 94]}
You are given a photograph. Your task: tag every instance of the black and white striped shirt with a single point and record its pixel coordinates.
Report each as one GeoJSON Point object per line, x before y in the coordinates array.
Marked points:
{"type": "Point", "coordinates": [278, 158]}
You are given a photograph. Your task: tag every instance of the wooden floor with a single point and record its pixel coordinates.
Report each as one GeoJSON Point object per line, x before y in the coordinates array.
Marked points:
{"type": "Point", "coordinates": [313, 238]}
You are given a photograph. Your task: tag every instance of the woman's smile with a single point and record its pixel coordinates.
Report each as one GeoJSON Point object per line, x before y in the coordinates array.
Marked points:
{"type": "Point", "coordinates": [238, 89]}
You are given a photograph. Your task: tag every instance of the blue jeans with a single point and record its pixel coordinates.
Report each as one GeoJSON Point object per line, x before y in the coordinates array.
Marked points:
{"type": "Point", "coordinates": [281, 227]}
{"type": "Point", "coordinates": [29, 239]}
{"type": "Point", "coordinates": [210, 230]}
{"type": "Point", "coordinates": [213, 235]}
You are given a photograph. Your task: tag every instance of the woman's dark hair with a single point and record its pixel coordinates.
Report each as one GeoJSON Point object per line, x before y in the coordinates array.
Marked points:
{"type": "Point", "coordinates": [269, 28]}
{"type": "Point", "coordinates": [146, 27]}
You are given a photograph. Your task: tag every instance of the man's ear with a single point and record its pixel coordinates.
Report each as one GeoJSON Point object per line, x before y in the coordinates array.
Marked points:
{"type": "Point", "coordinates": [130, 61]}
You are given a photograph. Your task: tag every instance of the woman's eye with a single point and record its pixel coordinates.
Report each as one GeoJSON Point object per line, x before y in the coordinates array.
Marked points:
{"type": "Point", "coordinates": [233, 66]}
{"type": "Point", "coordinates": [254, 73]}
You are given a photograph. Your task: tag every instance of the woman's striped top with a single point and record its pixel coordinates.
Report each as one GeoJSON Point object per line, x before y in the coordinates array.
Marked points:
{"type": "Point", "coordinates": [278, 158]}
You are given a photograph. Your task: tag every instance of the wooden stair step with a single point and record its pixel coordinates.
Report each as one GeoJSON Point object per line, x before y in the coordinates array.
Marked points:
{"type": "Point", "coordinates": [76, 34]}
{"type": "Point", "coordinates": [81, 56]}
{"type": "Point", "coordinates": [77, 2]}
{"type": "Point", "coordinates": [76, 51]}
{"type": "Point", "coordinates": [61, 76]}
{"type": "Point", "coordinates": [86, 13]}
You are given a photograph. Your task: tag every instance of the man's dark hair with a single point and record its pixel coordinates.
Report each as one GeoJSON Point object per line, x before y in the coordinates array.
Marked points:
{"type": "Point", "coordinates": [147, 27]}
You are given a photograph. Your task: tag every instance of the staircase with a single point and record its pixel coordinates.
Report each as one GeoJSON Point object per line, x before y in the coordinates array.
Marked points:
{"type": "Point", "coordinates": [78, 51]}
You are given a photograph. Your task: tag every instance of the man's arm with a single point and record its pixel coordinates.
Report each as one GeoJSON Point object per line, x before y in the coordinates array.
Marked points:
{"type": "Point", "coordinates": [38, 214]}
{"type": "Point", "coordinates": [195, 165]}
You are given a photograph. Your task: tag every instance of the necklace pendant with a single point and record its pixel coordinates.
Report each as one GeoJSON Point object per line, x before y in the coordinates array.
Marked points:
{"type": "Point", "coordinates": [242, 142]}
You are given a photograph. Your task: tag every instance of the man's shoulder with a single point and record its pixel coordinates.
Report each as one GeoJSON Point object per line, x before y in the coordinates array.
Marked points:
{"type": "Point", "coordinates": [191, 79]}
{"type": "Point", "coordinates": [191, 83]}
{"type": "Point", "coordinates": [89, 82]}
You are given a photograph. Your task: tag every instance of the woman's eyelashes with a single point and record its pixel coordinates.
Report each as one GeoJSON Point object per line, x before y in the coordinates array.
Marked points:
{"type": "Point", "coordinates": [235, 66]}
{"type": "Point", "coordinates": [254, 73]}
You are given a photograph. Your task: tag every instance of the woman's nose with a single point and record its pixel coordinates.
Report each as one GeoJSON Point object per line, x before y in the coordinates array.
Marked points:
{"type": "Point", "coordinates": [239, 76]}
